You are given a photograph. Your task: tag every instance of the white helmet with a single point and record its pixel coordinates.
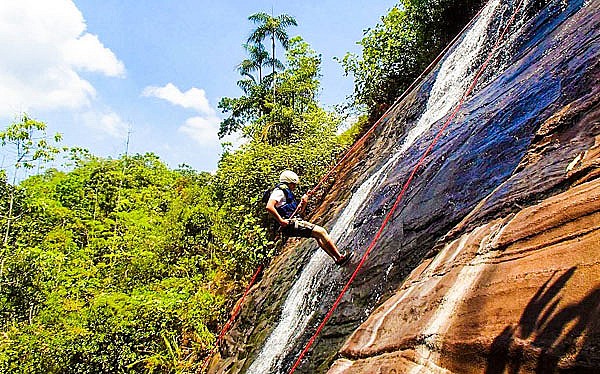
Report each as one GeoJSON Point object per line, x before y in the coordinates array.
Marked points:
{"type": "Point", "coordinates": [288, 176]}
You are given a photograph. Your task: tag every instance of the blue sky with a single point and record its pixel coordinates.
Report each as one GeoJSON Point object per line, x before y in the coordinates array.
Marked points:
{"type": "Point", "coordinates": [96, 70]}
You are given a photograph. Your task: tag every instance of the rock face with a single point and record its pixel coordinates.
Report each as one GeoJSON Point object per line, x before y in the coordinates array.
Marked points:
{"type": "Point", "coordinates": [518, 292]}
{"type": "Point", "coordinates": [491, 263]}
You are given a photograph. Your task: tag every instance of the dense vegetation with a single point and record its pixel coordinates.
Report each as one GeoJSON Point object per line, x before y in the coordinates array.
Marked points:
{"type": "Point", "coordinates": [121, 265]}
{"type": "Point", "coordinates": [107, 268]}
{"type": "Point", "coordinates": [125, 265]}
{"type": "Point", "coordinates": [398, 49]}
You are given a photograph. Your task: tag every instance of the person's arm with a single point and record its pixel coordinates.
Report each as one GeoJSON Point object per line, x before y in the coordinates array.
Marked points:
{"type": "Point", "coordinates": [271, 209]}
{"type": "Point", "coordinates": [303, 203]}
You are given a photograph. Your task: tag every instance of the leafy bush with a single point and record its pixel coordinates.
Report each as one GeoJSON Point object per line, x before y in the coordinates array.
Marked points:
{"type": "Point", "coordinates": [123, 265]}
{"type": "Point", "coordinates": [398, 49]}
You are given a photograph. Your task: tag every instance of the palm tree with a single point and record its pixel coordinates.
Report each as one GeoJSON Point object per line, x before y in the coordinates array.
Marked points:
{"type": "Point", "coordinates": [257, 58]}
{"type": "Point", "coordinates": [272, 27]}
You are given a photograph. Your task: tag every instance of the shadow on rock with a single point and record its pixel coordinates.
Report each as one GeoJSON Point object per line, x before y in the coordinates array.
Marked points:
{"type": "Point", "coordinates": [545, 336]}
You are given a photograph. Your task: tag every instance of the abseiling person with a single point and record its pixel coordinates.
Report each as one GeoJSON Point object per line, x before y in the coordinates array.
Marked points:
{"type": "Point", "coordinates": [282, 205]}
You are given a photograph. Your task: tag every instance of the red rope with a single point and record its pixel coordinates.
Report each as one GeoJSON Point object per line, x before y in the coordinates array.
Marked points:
{"type": "Point", "coordinates": [403, 191]}
{"type": "Point", "coordinates": [362, 139]}
{"type": "Point", "coordinates": [231, 319]}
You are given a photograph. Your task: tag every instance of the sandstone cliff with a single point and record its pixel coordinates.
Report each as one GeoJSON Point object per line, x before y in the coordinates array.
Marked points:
{"type": "Point", "coordinates": [491, 264]}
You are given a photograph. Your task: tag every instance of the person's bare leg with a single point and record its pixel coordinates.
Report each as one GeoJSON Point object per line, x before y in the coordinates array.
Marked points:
{"type": "Point", "coordinates": [323, 244]}
{"type": "Point", "coordinates": [326, 243]}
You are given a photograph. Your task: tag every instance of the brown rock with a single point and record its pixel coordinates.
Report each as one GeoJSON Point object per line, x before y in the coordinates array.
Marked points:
{"type": "Point", "coordinates": [520, 292]}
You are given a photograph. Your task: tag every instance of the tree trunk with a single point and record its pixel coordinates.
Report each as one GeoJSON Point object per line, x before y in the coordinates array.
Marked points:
{"type": "Point", "coordinates": [9, 217]}
{"type": "Point", "coordinates": [274, 81]}
{"type": "Point", "coordinates": [12, 201]}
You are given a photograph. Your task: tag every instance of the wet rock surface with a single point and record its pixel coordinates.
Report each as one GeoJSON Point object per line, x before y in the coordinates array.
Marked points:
{"type": "Point", "coordinates": [520, 293]}
{"type": "Point", "coordinates": [491, 262]}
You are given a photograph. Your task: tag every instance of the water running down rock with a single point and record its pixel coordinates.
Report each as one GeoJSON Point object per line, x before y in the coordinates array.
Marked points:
{"type": "Point", "coordinates": [507, 201]}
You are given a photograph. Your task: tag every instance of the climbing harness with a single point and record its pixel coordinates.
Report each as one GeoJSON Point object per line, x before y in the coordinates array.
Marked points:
{"type": "Point", "coordinates": [405, 188]}
{"type": "Point", "coordinates": [291, 205]}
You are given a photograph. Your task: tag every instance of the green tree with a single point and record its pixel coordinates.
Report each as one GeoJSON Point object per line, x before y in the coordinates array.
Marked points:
{"type": "Point", "coordinates": [259, 92]}
{"type": "Point", "coordinates": [258, 116]}
{"type": "Point", "coordinates": [273, 28]}
{"type": "Point", "coordinates": [256, 89]}
{"type": "Point", "coordinates": [258, 58]}
{"type": "Point", "coordinates": [297, 89]}
{"type": "Point", "coordinates": [30, 145]}
{"type": "Point", "coordinates": [400, 47]}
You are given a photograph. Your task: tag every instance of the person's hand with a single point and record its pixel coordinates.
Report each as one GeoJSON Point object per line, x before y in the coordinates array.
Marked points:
{"type": "Point", "coordinates": [304, 199]}
{"type": "Point", "coordinates": [284, 223]}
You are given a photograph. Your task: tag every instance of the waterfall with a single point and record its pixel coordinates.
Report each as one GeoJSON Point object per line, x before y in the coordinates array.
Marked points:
{"type": "Point", "coordinates": [453, 78]}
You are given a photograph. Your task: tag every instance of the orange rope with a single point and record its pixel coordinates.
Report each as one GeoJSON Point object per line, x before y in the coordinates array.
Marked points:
{"type": "Point", "coordinates": [230, 322]}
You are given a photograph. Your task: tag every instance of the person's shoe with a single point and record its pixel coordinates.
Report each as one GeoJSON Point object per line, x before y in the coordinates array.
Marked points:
{"type": "Point", "coordinates": [345, 258]}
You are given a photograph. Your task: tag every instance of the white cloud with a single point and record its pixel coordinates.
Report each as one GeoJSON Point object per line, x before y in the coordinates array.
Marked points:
{"type": "Point", "coordinates": [45, 46]}
{"type": "Point", "coordinates": [194, 98]}
{"type": "Point", "coordinates": [88, 53]}
{"type": "Point", "coordinates": [107, 122]}
{"type": "Point", "coordinates": [203, 130]}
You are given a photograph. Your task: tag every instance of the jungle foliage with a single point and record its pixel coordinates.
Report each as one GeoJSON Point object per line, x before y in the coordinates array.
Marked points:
{"type": "Point", "coordinates": [124, 265]}
{"type": "Point", "coordinates": [115, 266]}
{"type": "Point", "coordinates": [400, 47]}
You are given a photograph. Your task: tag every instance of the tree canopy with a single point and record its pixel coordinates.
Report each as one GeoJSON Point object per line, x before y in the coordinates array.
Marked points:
{"type": "Point", "coordinates": [400, 47]}
{"type": "Point", "coordinates": [125, 265]}
{"type": "Point", "coordinates": [258, 116]}
{"type": "Point", "coordinates": [271, 27]}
